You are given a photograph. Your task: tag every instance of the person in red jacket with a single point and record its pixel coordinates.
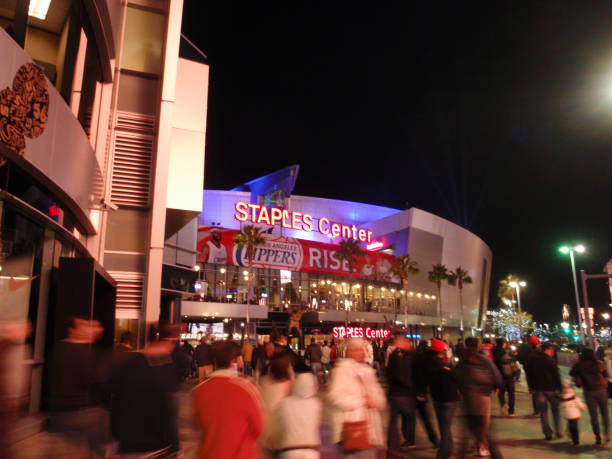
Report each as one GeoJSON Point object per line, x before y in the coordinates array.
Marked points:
{"type": "Point", "coordinates": [487, 348]}
{"type": "Point", "coordinates": [229, 409]}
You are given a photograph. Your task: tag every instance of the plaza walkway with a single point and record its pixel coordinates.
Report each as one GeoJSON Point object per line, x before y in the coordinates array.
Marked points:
{"type": "Point", "coordinates": [518, 437]}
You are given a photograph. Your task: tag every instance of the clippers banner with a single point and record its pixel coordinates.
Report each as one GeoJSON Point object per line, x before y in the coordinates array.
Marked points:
{"type": "Point", "coordinates": [216, 245]}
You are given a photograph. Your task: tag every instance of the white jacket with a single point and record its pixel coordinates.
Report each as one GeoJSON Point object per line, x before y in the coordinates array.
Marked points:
{"type": "Point", "coordinates": [273, 392]}
{"type": "Point", "coordinates": [351, 383]}
{"type": "Point", "coordinates": [571, 404]}
{"type": "Point", "coordinates": [297, 418]}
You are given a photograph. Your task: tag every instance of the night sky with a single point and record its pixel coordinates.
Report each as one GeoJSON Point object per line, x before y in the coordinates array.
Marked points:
{"type": "Point", "coordinates": [496, 117]}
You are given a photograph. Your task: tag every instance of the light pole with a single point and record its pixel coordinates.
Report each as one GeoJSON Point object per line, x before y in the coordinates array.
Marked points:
{"type": "Point", "coordinates": [517, 286]}
{"type": "Point", "coordinates": [580, 249]}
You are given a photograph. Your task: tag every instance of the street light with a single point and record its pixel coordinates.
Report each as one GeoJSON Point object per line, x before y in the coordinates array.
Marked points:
{"type": "Point", "coordinates": [516, 286]}
{"type": "Point", "coordinates": [580, 249]}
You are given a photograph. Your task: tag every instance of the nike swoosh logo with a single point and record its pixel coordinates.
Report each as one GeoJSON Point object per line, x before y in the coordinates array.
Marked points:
{"type": "Point", "coordinates": [17, 284]}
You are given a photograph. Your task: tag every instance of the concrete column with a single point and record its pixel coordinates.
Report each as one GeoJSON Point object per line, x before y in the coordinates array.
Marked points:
{"type": "Point", "coordinates": [160, 182]}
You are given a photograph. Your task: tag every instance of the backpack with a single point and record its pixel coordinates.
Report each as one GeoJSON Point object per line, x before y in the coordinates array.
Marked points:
{"type": "Point", "coordinates": [509, 366]}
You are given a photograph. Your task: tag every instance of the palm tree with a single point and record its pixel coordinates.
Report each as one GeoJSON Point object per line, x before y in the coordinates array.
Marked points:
{"type": "Point", "coordinates": [459, 277]}
{"type": "Point", "coordinates": [505, 291]}
{"type": "Point", "coordinates": [249, 237]}
{"type": "Point", "coordinates": [438, 274]}
{"type": "Point", "coordinates": [403, 268]}
{"type": "Point", "coordinates": [348, 252]}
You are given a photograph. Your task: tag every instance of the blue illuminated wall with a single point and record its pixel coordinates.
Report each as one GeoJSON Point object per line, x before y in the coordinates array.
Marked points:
{"type": "Point", "coordinates": [218, 210]}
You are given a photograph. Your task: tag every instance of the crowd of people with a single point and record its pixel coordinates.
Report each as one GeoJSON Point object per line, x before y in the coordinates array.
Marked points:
{"type": "Point", "coordinates": [418, 380]}
{"type": "Point", "coordinates": [270, 401]}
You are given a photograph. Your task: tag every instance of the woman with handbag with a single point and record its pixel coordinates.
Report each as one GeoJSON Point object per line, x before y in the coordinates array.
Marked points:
{"type": "Point", "coordinates": [591, 375]}
{"type": "Point", "coordinates": [355, 399]}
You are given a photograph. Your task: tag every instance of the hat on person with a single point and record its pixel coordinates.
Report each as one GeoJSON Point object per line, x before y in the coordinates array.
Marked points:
{"type": "Point", "coordinates": [438, 345]}
{"type": "Point", "coordinates": [534, 340]}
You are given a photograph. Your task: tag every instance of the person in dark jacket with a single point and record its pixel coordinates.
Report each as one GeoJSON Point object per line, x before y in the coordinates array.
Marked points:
{"type": "Point", "coordinates": [600, 352]}
{"type": "Point", "coordinates": [544, 379]}
{"type": "Point", "coordinates": [203, 358]}
{"type": "Point", "coordinates": [313, 355]}
{"type": "Point", "coordinates": [459, 349]}
{"type": "Point", "coordinates": [444, 392]}
{"type": "Point", "coordinates": [422, 364]}
{"type": "Point", "coordinates": [401, 394]}
{"type": "Point", "coordinates": [591, 375]}
{"type": "Point", "coordinates": [526, 349]}
{"type": "Point", "coordinates": [477, 377]}
{"type": "Point", "coordinates": [503, 359]}
{"type": "Point", "coordinates": [258, 359]}
{"type": "Point", "coordinates": [142, 389]}
{"type": "Point", "coordinates": [182, 361]}
{"type": "Point", "coordinates": [76, 386]}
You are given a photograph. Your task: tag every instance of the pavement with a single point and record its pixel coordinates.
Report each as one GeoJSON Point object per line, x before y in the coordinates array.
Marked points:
{"type": "Point", "coordinates": [517, 437]}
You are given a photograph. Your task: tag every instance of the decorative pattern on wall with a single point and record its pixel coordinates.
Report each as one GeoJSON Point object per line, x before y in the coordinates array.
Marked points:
{"type": "Point", "coordinates": [24, 108]}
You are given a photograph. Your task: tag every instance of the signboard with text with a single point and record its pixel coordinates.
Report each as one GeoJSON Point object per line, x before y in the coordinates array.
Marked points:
{"type": "Point", "coordinates": [360, 332]}
{"type": "Point", "coordinates": [216, 245]}
{"type": "Point", "coordinates": [272, 216]}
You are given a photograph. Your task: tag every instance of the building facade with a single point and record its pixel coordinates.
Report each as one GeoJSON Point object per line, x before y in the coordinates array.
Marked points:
{"type": "Point", "coordinates": [102, 128]}
{"type": "Point", "coordinates": [299, 269]}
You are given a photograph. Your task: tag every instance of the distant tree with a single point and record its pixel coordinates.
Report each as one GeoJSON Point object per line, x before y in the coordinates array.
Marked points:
{"type": "Point", "coordinates": [459, 278]}
{"type": "Point", "coordinates": [403, 268]}
{"type": "Point", "coordinates": [347, 253]}
{"type": "Point", "coordinates": [505, 323]}
{"type": "Point", "coordinates": [249, 238]}
{"type": "Point", "coordinates": [505, 291]}
{"type": "Point", "coordinates": [437, 275]}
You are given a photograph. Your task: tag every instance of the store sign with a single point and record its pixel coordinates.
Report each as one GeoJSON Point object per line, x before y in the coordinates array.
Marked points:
{"type": "Point", "coordinates": [277, 252]}
{"type": "Point", "coordinates": [216, 245]}
{"type": "Point", "coordinates": [360, 332]}
{"type": "Point", "coordinates": [256, 213]}
{"type": "Point", "coordinates": [374, 246]}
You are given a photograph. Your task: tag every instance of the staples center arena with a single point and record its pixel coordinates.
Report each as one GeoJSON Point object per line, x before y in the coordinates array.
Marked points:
{"type": "Point", "coordinates": [298, 278]}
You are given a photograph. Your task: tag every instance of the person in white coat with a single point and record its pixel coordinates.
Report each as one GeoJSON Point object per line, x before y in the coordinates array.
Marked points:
{"type": "Point", "coordinates": [572, 405]}
{"type": "Point", "coordinates": [297, 419]}
{"type": "Point", "coordinates": [275, 386]}
{"type": "Point", "coordinates": [355, 395]}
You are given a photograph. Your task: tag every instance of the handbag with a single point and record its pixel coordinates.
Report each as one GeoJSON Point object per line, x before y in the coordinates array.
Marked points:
{"type": "Point", "coordinates": [609, 389]}
{"type": "Point", "coordinates": [356, 435]}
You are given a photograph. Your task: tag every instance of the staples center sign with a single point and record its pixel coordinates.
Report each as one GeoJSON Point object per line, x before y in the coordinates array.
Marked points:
{"type": "Point", "coordinates": [360, 332]}
{"type": "Point", "coordinates": [256, 213]}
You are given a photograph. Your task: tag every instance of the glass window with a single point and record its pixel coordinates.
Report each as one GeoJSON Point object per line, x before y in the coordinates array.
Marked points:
{"type": "Point", "coordinates": [127, 326]}
{"type": "Point", "coordinates": [143, 43]}
{"type": "Point", "coordinates": [127, 231]}
{"type": "Point", "coordinates": [272, 288]}
{"type": "Point", "coordinates": [138, 94]}
{"type": "Point", "coordinates": [21, 243]}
